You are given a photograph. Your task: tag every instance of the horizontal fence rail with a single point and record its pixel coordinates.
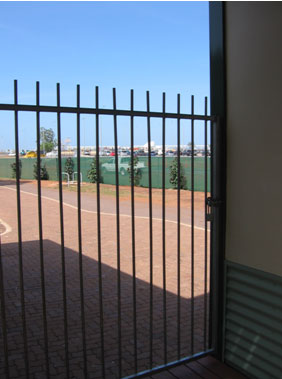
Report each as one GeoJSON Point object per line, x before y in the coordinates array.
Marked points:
{"type": "Point", "coordinates": [101, 111]}
{"type": "Point", "coordinates": [129, 309]}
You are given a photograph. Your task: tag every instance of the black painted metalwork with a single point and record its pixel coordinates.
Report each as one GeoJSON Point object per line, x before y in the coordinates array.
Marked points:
{"type": "Point", "coordinates": [100, 111]}
{"type": "Point", "coordinates": [150, 226]}
{"type": "Point", "coordinates": [61, 207]}
{"type": "Point", "coordinates": [163, 231]}
{"type": "Point", "coordinates": [218, 171]}
{"type": "Point", "coordinates": [80, 255]}
{"type": "Point", "coordinates": [178, 232]}
{"type": "Point", "coordinates": [192, 226]}
{"type": "Point", "coordinates": [147, 115]}
{"type": "Point", "coordinates": [133, 231]}
{"type": "Point", "coordinates": [99, 237]}
{"type": "Point", "coordinates": [118, 236]}
{"type": "Point", "coordinates": [3, 317]}
{"type": "Point", "coordinates": [206, 228]}
{"type": "Point", "coordinates": [19, 219]}
{"type": "Point", "coordinates": [40, 230]}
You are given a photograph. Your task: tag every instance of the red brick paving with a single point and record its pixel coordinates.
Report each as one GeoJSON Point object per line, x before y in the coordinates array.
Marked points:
{"type": "Point", "coordinates": [53, 280]}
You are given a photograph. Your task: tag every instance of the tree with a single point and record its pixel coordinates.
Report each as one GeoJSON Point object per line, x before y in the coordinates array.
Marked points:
{"type": "Point", "coordinates": [69, 166]}
{"type": "Point", "coordinates": [92, 174]}
{"type": "Point", "coordinates": [136, 171]}
{"type": "Point", "coordinates": [174, 175]}
{"type": "Point", "coordinates": [43, 171]}
{"type": "Point", "coordinates": [47, 138]}
{"type": "Point", "coordinates": [14, 169]}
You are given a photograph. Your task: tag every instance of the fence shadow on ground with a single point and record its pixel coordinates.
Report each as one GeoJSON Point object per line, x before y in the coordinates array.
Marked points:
{"type": "Point", "coordinates": [55, 316]}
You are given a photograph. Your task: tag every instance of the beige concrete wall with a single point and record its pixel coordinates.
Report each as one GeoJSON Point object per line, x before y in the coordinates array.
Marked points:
{"type": "Point", "coordinates": [254, 134]}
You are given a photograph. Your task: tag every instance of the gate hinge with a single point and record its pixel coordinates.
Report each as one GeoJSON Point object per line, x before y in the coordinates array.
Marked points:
{"type": "Point", "coordinates": [210, 202]}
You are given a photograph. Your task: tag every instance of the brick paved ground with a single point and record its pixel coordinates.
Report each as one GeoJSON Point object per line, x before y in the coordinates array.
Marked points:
{"type": "Point", "coordinates": [2, 228]}
{"type": "Point", "coordinates": [54, 298]}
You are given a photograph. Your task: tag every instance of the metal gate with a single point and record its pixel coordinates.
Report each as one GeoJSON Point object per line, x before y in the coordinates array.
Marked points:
{"type": "Point", "coordinates": [121, 293]}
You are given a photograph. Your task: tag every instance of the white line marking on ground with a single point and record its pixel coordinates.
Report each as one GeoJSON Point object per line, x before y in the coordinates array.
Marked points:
{"type": "Point", "coordinates": [8, 228]}
{"type": "Point", "coordinates": [102, 213]}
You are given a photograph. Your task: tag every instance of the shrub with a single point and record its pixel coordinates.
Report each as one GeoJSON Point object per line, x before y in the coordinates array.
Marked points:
{"type": "Point", "coordinates": [174, 175]}
{"type": "Point", "coordinates": [136, 171]}
{"type": "Point", "coordinates": [43, 171]}
{"type": "Point", "coordinates": [14, 169]}
{"type": "Point", "coordinates": [92, 174]}
{"type": "Point", "coordinates": [69, 166]}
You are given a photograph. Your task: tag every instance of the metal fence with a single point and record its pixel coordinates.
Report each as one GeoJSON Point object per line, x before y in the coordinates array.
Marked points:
{"type": "Point", "coordinates": [195, 345]}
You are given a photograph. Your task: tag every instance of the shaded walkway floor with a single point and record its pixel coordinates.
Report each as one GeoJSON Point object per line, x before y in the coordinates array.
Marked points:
{"type": "Point", "coordinates": [52, 257]}
{"type": "Point", "coordinates": [204, 368]}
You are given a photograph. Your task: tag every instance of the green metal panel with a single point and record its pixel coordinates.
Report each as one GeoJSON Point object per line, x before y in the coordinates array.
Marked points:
{"type": "Point", "coordinates": [5, 167]}
{"type": "Point", "coordinates": [108, 177]}
{"type": "Point", "coordinates": [253, 321]}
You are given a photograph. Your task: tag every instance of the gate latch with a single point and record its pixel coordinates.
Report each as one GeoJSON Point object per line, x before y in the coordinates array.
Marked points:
{"type": "Point", "coordinates": [211, 203]}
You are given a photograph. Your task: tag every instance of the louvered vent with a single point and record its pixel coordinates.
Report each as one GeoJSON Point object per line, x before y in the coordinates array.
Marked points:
{"type": "Point", "coordinates": [253, 321]}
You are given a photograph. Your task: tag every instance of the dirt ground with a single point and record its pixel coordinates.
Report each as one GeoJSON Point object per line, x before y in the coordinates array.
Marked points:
{"type": "Point", "coordinates": [141, 193]}
{"type": "Point", "coordinates": [185, 324]}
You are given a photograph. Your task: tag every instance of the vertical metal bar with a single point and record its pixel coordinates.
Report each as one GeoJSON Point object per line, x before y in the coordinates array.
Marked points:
{"type": "Point", "coordinates": [82, 307]}
{"type": "Point", "coordinates": [178, 229]}
{"type": "Point", "coordinates": [62, 233]}
{"type": "Point", "coordinates": [133, 230]}
{"type": "Point", "coordinates": [21, 277]}
{"type": "Point", "coordinates": [206, 227]}
{"type": "Point", "coordinates": [118, 234]}
{"type": "Point", "coordinates": [40, 230]}
{"type": "Point", "coordinates": [99, 238]}
{"type": "Point", "coordinates": [163, 235]}
{"type": "Point", "coordinates": [150, 228]}
{"type": "Point", "coordinates": [218, 104]}
{"type": "Point", "coordinates": [217, 229]}
{"type": "Point", "coordinates": [192, 227]}
{"type": "Point", "coordinates": [3, 316]}
{"type": "Point", "coordinates": [213, 301]}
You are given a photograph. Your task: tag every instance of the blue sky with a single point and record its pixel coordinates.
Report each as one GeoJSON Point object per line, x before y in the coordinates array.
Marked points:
{"type": "Point", "coordinates": [156, 46]}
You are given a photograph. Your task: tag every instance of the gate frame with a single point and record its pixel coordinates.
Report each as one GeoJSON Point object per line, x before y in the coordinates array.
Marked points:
{"type": "Point", "coordinates": [216, 211]}
{"type": "Point", "coordinates": [218, 172]}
